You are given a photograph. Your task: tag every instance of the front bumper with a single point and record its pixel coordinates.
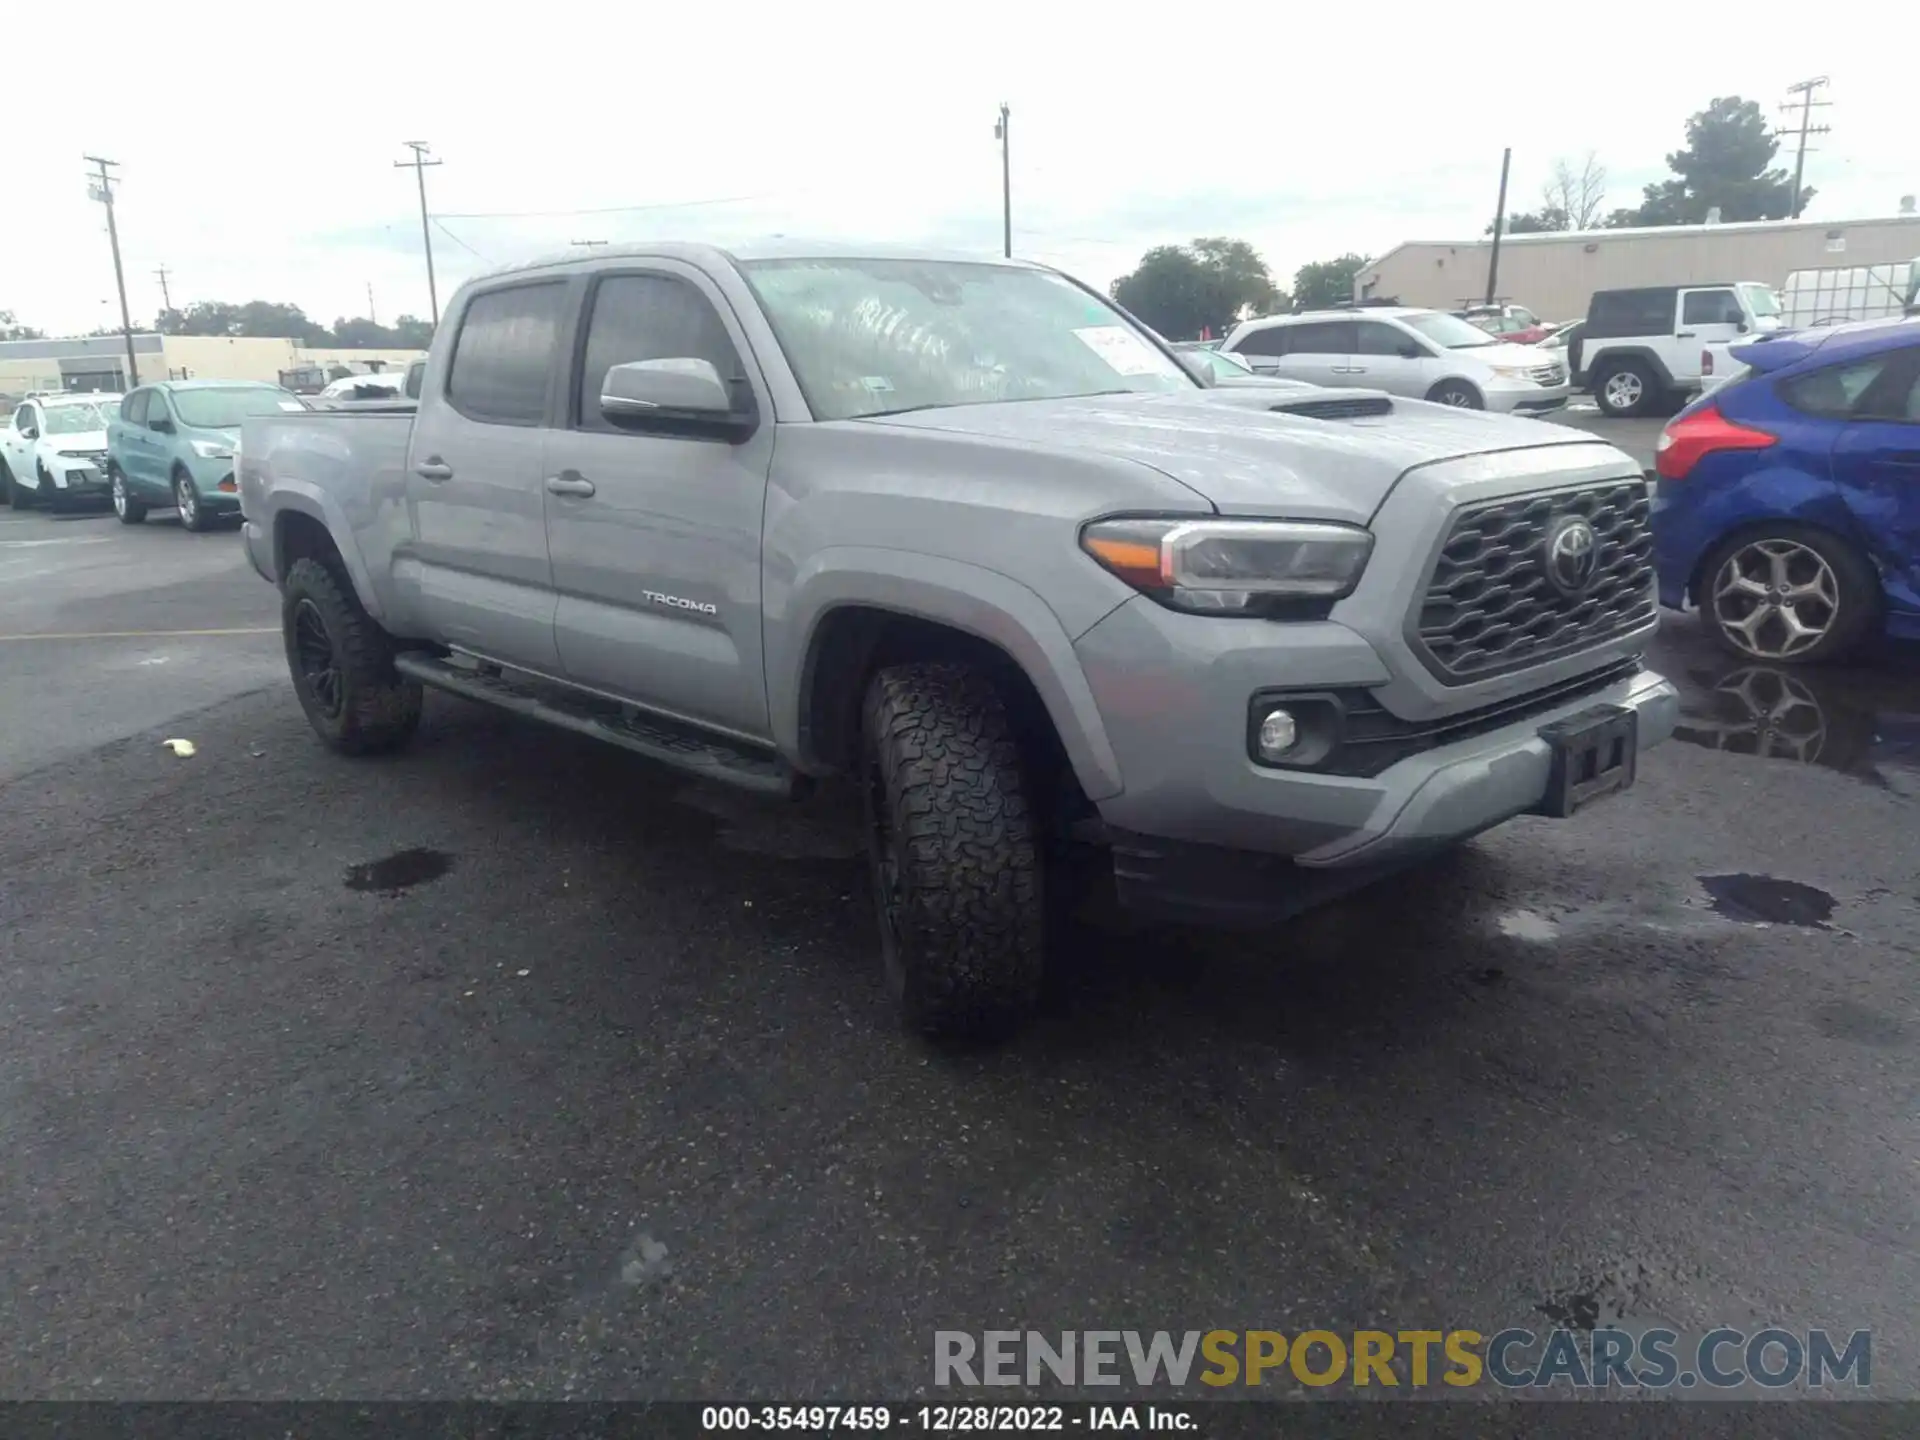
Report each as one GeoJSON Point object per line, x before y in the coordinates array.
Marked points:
{"type": "Point", "coordinates": [213, 479]}
{"type": "Point", "coordinates": [80, 482]}
{"type": "Point", "coordinates": [1522, 399]}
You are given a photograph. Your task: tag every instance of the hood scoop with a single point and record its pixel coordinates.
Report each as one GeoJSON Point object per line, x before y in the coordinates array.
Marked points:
{"type": "Point", "coordinates": [1343, 407]}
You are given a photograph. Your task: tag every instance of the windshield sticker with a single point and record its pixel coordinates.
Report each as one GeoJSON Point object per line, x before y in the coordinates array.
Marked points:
{"type": "Point", "coordinates": [1125, 351]}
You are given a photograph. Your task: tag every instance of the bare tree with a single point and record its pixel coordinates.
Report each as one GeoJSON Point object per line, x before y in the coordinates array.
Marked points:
{"type": "Point", "coordinates": [1577, 194]}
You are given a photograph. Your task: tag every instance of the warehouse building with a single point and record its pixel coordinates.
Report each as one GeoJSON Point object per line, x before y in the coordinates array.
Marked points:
{"type": "Point", "coordinates": [99, 362]}
{"type": "Point", "coordinates": [1554, 275]}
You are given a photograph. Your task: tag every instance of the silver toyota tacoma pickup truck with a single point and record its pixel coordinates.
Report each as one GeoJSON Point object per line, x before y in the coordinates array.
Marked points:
{"type": "Point", "coordinates": [963, 534]}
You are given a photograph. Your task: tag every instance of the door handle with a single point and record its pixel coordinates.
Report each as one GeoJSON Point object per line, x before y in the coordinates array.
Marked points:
{"type": "Point", "coordinates": [1348, 369]}
{"type": "Point", "coordinates": [1684, 334]}
{"type": "Point", "coordinates": [433, 468]}
{"type": "Point", "coordinates": [569, 484]}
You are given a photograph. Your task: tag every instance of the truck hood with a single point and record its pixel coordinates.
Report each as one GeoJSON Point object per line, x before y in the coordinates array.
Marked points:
{"type": "Point", "coordinates": [1236, 450]}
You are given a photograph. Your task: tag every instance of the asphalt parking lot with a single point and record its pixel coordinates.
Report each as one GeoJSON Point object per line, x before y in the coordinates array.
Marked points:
{"type": "Point", "coordinates": [513, 1068]}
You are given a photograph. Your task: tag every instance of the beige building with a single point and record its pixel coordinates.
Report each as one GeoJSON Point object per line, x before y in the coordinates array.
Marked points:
{"type": "Point", "coordinates": [1555, 275]}
{"type": "Point", "coordinates": [99, 362]}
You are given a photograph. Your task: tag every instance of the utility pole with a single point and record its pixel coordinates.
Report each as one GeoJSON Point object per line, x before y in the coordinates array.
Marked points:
{"type": "Point", "coordinates": [101, 189]}
{"type": "Point", "coordinates": [1499, 224]}
{"type": "Point", "coordinates": [166, 298]}
{"type": "Point", "coordinates": [1002, 132]}
{"type": "Point", "coordinates": [419, 165]}
{"type": "Point", "coordinates": [371, 316]}
{"type": "Point", "coordinates": [1807, 105]}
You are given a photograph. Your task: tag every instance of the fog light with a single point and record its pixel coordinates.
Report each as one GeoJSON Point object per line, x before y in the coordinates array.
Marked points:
{"type": "Point", "coordinates": [1278, 734]}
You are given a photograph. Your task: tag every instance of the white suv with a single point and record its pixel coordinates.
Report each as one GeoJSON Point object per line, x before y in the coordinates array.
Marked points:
{"type": "Point", "coordinates": [1423, 354]}
{"type": "Point", "coordinates": [54, 450]}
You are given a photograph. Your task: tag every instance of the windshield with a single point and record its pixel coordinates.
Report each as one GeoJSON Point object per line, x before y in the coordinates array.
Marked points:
{"type": "Point", "coordinates": [875, 337]}
{"type": "Point", "coordinates": [1762, 299]}
{"type": "Point", "coordinates": [1226, 366]}
{"type": "Point", "coordinates": [223, 407]}
{"type": "Point", "coordinates": [1449, 331]}
{"type": "Point", "coordinates": [78, 419]}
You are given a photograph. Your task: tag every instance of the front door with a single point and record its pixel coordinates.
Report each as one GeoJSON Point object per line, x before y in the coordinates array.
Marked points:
{"type": "Point", "coordinates": [1710, 319]}
{"type": "Point", "coordinates": [1386, 357]}
{"type": "Point", "coordinates": [16, 446]}
{"type": "Point", "coordinates": [655, 537]}
{"type": "Point", "coordinates": [476, 568]}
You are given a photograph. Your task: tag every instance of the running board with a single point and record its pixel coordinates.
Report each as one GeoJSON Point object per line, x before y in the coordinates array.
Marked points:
{"type": "Point", "coordinates": [681, 746]}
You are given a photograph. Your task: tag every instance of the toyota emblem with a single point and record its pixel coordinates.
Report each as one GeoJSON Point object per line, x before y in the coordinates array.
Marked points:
{"type": "Point", "coordinates": [1572, 552]}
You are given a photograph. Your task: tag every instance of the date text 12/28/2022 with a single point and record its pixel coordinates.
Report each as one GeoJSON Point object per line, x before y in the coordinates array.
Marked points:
{"type": "Point", "coordinates": [946, 1419]}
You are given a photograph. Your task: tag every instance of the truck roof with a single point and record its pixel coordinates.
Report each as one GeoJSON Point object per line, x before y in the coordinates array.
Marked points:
{"type": "Point", "coordinates": [776, 248]}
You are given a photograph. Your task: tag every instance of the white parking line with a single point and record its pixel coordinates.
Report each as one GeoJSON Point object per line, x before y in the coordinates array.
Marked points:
{"type": "Point", "coordinates": [62, 540]}
{"type": "Point", "coordinates": [142, 634]}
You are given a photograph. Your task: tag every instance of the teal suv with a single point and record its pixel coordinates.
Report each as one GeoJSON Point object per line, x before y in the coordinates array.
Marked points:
{"type": "Point", "coordinates": [172, 445]}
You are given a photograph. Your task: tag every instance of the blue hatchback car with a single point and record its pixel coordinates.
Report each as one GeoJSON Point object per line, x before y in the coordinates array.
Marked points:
{"type": "Point", "coordinates": [1788, 502]}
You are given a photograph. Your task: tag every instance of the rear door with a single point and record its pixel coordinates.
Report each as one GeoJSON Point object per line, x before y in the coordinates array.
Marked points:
{"type": "Point", "coordinates": [1876, 462]}
{"type": "Point", "coordinates": [1386, 357]}
{"type": "Point", "coordinates": [1319, 352]}
{"type": "Point", "coordinates": [473, 482]}
{"type": "Point", "coordinates": [655, 536]}
{"type": "Point", "coordinates": [1711, 319]}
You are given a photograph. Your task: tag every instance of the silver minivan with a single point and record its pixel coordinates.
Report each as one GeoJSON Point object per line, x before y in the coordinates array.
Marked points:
{"type": "Point", "coordinates": [1422, 354]}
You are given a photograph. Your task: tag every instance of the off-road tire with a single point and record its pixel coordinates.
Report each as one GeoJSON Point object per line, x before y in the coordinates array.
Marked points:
{"type": "Point", "coordinates": [954, 850]}
{"type": "Point", "coordinates": [1652, 392]}
{"type": "Point", "coordinates": [376, 709]}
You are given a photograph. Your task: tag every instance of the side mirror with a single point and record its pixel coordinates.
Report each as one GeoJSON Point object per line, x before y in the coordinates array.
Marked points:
{"type": "Point", "coordinates": [664, 394]}
{"type": "Point", "coordinates": [160, 427]}
{"type": "Point", "coordinates": [1741, 326]}
{"type": "Point", "coordinates": [1196, 367]}
{"type": "Point", "coordinates": [29, 432]}
{"type": "Point", "coordinates": [1411, 351]}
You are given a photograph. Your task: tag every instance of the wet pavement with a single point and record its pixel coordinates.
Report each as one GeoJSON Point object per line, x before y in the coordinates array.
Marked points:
{"type": "Point", "coordinates": [513, 1067]}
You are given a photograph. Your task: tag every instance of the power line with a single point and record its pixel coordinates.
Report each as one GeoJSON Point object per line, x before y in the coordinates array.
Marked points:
{"type": "Point", "coordinates": [419, 165]}
{"type": "Point", "coordinates": [101, 189]}
{"type": "Point", "coordinates": [1807, 105]}
{"type": "Point", "coordinates": [440, 225]}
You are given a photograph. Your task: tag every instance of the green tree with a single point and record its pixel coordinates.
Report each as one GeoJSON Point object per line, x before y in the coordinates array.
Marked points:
{"type": "Point", "coordinates": [1181, 290]}
{"type": "Point", "coordinates": [1327, 282]}
{"type": "Point", "coordinates": [1534, 222]}
{"type": "Point", "coordinates": [11, 329]}
{"type": "Point", "coordinates": [1726, 165]}
{"type": "Point", "coordinates": [360, 333]}
{"type": "Point", "coordinates": [410, 332]}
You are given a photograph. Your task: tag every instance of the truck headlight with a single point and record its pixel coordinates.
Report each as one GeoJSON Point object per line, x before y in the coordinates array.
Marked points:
{"type": "Point", "coordinates": [1231, 567]}
{"type": "Point", "coordinates": [213, 449]}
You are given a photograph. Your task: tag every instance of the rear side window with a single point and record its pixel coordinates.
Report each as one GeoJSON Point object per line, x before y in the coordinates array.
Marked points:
{"type": "Point", "coordinates": [1630, 312]}
{"type": "Point", "coordinates": [1270, 341]}
{"type": "Point", "coordinates": [1836, 390]}
{"type": "Point", "coordinates": [504, 354]}
{"type": "Point", "coordinates": [648, 317]}
{"type": "Point", "coordinates": [1332, 337]}
{"type": "Point", "coordinates": [133, 409]}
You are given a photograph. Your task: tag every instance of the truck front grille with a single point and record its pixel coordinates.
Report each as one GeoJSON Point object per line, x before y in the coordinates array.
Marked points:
{"type": "Point", "coordinates": [1496, 603]}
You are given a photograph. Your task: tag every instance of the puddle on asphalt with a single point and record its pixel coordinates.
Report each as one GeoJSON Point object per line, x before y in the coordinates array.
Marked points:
{"type": "Point", "coordinates": [1863, 723]}
{"type": "Point", "coordinates": [399, 871]}
{"type": "Point", "coordinates": [1763, 900]}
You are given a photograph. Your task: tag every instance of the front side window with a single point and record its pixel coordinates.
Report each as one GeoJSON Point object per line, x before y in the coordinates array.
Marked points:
{"type": "Point", "coordinates": [504, 354]}
{"type": "Point", "coordinates": [648, 317]}
{"type": "Point", "coordinates": [1711, 307]}
{"type": "Point", "coordinates": [1378, 339]}
{"type": "Point", "coordinates": [1761, 299]}
{"type": "Point", "coordinates": [133, 409]}
{"type": "Point", "coordinates": [23, 418]}
{"type": "Point", "coordinates": [875, 337]}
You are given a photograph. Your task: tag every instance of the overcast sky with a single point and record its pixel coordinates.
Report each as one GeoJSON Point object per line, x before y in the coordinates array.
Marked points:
{"type": "Point", "coordinates": [257, 141]}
